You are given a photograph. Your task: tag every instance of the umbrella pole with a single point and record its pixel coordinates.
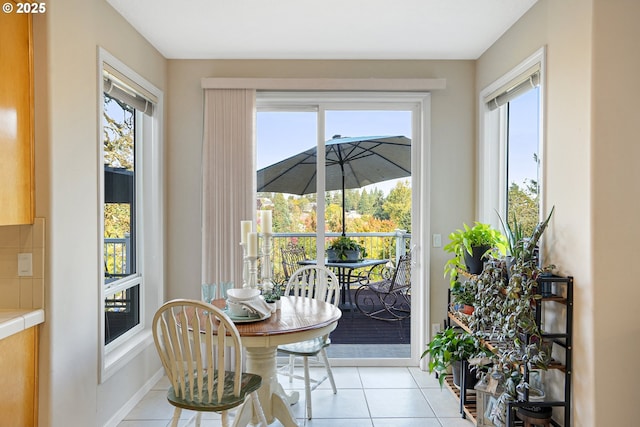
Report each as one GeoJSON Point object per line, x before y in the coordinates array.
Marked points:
{"type": "Point", "coordinates": [343, 215]}
{"type": "Point", "coordinates": [344, 207]}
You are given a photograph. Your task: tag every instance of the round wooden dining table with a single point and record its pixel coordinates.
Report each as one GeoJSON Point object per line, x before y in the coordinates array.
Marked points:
{"type": "Point", "coordinates": [297, 319]}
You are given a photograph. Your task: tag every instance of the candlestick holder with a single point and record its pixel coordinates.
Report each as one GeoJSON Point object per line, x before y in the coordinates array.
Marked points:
{"type": "Point", "coordinates": [267, 266]}
{"type": "Point", "coordinates": [252, 279]}
{"type": "Point", "coordinates": [245, 265]}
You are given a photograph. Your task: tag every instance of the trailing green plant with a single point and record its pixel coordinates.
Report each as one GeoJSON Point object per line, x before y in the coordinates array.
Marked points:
{"type": "Point", "coordinates": [464, 240]}
{"type": "Point", "coordinates": [505, 313]}
{"type": "Point", "coordinates": [451, 345]}
{"type": "Point", "coordinates": [343, 244]}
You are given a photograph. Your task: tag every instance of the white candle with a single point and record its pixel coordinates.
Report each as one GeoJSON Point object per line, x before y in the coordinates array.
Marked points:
{"type": "Point", "coordinates": [245, 228]}
{"type": "Point", "coordinates": [252, 244]}
{"type": "Point", "coordinates": [267, 221]}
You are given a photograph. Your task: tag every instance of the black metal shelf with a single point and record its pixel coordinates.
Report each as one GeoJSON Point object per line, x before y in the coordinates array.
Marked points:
{"type": "Point", "coordinates": [562, 293]}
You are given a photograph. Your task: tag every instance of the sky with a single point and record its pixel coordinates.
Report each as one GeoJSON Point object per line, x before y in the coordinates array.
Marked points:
{"type": "Point", "coordinates": [523, 137]}
{"type": "Point", "coordinates": [283, 134]}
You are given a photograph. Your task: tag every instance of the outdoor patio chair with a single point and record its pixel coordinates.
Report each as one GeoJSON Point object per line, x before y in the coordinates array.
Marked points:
{"type": "Point", "coordinates": [388, 299]}
{"type": "Point", "coordinates": [292, 254]}
{"type": "Point", "coordinates": [195, 362]}
{"type": "Point", "coordinates": [320, 283]}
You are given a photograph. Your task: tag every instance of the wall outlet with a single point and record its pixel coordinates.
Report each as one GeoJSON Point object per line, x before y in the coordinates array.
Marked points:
{"type": "Point", "coordinates": [25, 265]}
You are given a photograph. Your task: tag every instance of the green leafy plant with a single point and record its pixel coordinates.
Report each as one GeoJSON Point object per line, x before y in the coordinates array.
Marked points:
{"type": "Point", "coordinates": [505, 312]}
{"type": "Point", "coordinates": [343, 244]}
{"type": "Point", "coordinates": [274, 294]}
{"type": "Point", "coordinates": [464, 240]}
{"type": "Point", "coordinates": [448, 346]}
{"type": "Point", "coordinates": [462, 294]}
{"type": "Point", "coordinates": [520, 246]}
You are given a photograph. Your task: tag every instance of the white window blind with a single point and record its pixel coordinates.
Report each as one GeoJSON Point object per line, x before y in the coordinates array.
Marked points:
{"type": "Point", "coordinates": [120, 87]}
{"type": "Point", "coordinates": [516, 87]}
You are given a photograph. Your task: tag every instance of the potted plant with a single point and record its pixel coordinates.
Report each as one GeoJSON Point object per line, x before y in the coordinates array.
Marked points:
{"type": "Point", "coordinates": [520, 246]}
{"type": "Point", "coordinates": [272, 295]}
{"type": "Point", "coordinates": [463, 298]}
{"type": "Point", "coordinates": [345, 249]}
{"type": "Point", "coordinates": [470, 246]}
{"type": "Point", "coordinates": [506, 312]}
{"type": "Point", "coordinates": [449, 348]}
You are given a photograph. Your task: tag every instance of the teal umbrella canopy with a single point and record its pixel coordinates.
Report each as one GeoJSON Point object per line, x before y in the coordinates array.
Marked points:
{"type": "Point", "coordinates": [351, 162]}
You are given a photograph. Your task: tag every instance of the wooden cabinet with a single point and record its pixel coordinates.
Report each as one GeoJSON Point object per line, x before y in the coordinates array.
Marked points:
{"type": "Point", "coordinates": [16, 119]}
{"type": "Point", "coordinates": [19, 379]}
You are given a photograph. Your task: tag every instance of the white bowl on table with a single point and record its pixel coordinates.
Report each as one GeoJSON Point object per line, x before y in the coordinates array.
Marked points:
{"type": "Point", "coordinates": [242, 294]}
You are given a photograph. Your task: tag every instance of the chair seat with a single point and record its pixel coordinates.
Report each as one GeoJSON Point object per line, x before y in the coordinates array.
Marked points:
{"type": "Point", "coordinates": [382, 286]}
{"type": "Point", "coordinates": [249, 384]}
{"type": "Point", "coordinates": [305, 348]}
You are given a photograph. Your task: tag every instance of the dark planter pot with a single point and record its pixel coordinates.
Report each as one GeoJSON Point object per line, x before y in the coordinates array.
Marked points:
{"type": "Point", "coordinates": [475, 261]}
{"type": "Point", "coordinates": [352, 255]}
{"type": "Point", "coordinates": [509, 261]}
{"type": "Point", "coordinates": [471, 380]}
{"type": "Point", "coordinates": [332, 255]}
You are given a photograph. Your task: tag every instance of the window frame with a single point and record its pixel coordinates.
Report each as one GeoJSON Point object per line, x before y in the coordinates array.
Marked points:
{"type": "Point", "coordinates": [149, 224]}
{"type": "Point", "coordinates": [492, 165]}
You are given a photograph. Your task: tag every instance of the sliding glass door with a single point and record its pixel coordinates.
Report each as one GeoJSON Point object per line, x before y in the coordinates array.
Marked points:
{"type": "Point", "coordinates": [332, 169]}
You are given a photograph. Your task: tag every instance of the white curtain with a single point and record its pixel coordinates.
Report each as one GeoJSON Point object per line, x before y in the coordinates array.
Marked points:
{"type": "Point", "coordinates": [228, 188]}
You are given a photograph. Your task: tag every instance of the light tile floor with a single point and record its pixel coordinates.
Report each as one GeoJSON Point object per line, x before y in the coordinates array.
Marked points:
{"type": "Point", "coordinates": [367, 397]}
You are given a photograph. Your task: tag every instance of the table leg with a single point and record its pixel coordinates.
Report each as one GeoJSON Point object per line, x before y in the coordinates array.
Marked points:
{"type": "Point", "coordinates": [275, 402]}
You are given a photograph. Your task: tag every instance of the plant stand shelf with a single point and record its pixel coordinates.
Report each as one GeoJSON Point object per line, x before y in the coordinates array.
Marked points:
{"type": "Point", "coordinates": [561, 293]}
{"type": "Point", "coordinates": [468, 409]}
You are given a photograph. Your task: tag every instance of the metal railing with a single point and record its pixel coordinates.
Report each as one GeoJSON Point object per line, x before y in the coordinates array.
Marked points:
{"type": "Point", "coordinates": [390, 245]}
{"type": "Point", "coordinates": [117, 254]}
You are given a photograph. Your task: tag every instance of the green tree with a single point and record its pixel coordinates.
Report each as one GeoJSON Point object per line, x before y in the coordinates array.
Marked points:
{"type": "Point", "coordinates": [352, 198]}
{"type": "Point", "coordinates": [118, 141]}
{"type": "Point", "coordinates": [365, 204]}
{"type": "Point", "coordinates": [398, 205]}
{"type": "Point", "coordinates": [118, 134]}
{"type": "Point", "coordinates": [282, 218]}
{"type": "Point", "coordinates": [378, 199]}
{"type": "Point", "coordinates": [333, 215]}
{"type": "Point", "coordinates": [523, 203]}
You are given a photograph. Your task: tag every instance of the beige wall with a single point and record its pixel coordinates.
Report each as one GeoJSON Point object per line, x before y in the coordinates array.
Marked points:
{"type": "Point", "coordinates": [452, 147]}
{"type": "Point", "coordinates": [66, 41]}
{"type": "Point", "coordinates": [615, 126]}
{"type": "Point", "coordinates": [589, 164]}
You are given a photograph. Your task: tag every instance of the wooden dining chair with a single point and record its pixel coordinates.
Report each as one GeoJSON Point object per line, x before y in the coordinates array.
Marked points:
{"type": "Point", "coordinates": [320, 283]}
{"type": "Point", "coordinates": [194, 362]}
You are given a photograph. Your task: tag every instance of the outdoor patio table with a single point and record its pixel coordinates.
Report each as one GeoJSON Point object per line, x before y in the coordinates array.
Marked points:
{"type": "Point", "coordinates": [298, 319]}
{"type": "Point", "coordinates": [344, 271]}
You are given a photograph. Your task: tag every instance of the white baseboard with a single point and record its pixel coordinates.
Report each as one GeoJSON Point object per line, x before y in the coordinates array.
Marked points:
{"type": "Point", "coordinates": [135, 399]}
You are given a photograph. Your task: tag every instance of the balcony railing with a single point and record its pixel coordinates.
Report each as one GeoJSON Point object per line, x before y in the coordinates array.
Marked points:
{"type": "Point", "coordinates": [117, 256]}
{"type": "Point", "coordinates": [378, 246]}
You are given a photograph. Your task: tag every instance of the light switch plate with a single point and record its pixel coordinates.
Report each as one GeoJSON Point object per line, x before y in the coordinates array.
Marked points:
{"type": "Point", "coordinates": [25, 265]}
{"type": "Point", "coordinates": [437, 240]}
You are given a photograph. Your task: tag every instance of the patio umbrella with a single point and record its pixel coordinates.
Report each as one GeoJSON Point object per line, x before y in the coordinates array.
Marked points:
{"type": "Point", "coordinates": [350, 163]}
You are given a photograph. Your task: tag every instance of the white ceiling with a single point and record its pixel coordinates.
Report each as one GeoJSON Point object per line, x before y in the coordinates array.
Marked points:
{"type": "Point", "coordinates": [325, 29]}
